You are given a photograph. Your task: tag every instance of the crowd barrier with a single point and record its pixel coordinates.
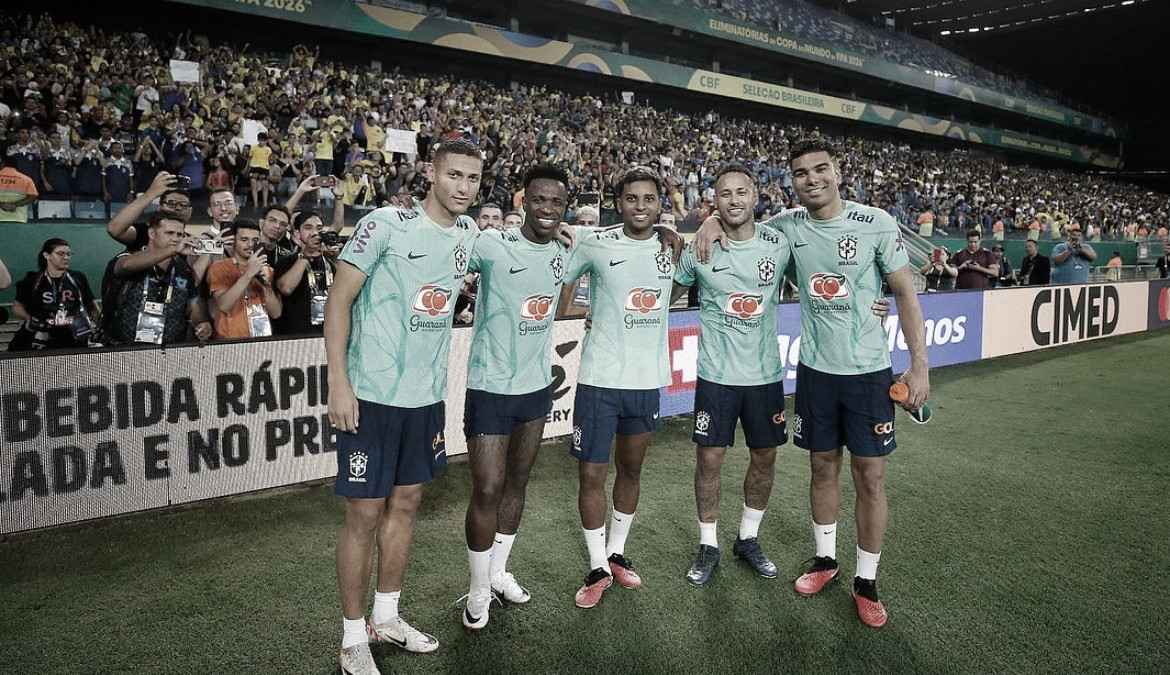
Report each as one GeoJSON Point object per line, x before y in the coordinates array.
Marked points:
{"type": "Point", "coordinates": [94, 434]}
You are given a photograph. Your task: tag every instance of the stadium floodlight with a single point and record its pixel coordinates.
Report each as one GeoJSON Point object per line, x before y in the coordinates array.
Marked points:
{"type": "Point", "coordinates": [945, 32]}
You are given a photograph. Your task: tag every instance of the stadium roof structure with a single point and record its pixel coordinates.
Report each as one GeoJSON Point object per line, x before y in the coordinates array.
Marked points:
{"type": "Point", "coordinates": [980, 18]}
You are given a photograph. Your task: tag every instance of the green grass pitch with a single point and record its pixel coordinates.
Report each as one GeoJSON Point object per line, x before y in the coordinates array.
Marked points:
{"type": "Point", "coordinates": [1028, 533]}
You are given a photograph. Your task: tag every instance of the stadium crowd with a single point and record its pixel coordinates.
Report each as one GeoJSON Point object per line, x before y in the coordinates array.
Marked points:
{"type": "Point", "coordinates": [809, 22]}
{"type": "Point", "coordinates": [88, 113]}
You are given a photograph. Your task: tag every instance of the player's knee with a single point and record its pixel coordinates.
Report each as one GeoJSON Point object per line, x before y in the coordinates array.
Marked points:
{"type": "Point", "coordinates": [487, 493]}
{"type": "Point", "coordinates": [629, 469]}
{"type": "Point", "coordinates": [710, 459]}
{"type": "Point", "coordinates": [406, 499]}
{"type": "Point", "coordinates": [824, 469]}
{"type": "Point", "coordinates": [363, 515]}
{"type": "Point", "coordinates": [869, 480]}
{"type": "Point", "coordinates": [592, 476]}
{"type": "Point", "coordinates": [763, 458]}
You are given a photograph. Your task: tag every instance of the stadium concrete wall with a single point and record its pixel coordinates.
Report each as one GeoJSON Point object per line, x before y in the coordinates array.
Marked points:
{"type": "Point", "coordinates": [89, 435]}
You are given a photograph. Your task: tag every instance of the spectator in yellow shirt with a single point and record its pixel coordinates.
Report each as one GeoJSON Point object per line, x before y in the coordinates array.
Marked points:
{"type": "Point", "coordinates": [358, 191]}
{"type": "Point", "coordinates": [259, 159]}
{"type": "Point", "coordinates": [375, 135]}
{"type": "Point", "coordinates": [323, 152]}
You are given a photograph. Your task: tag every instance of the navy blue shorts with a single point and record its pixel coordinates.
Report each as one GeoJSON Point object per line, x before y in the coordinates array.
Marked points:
{"type": "Point", "coordinates": [392, 446]}
{"type": "Point", "coordinates": [851, 410]}
{"type": "Point", "coordinates": [485, 413]}
{"type": "Point", "coordinates": [600, 413]}
{"type": "Point", "coordinates": [759, 407]}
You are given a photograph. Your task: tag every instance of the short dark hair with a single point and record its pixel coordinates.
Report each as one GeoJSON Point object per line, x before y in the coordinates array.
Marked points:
{"type": "Point", "coordinates": [546, 171]}
{"type": "Point", "coordinates": [734, 167]}
{"type": "Point", "coordinates": [490, 205]}
{"type": "Point", "coordinates": [973, 233]}
{"type": "Point", "coordinates": [275, 207]}
{"type": "Point", "coordinates": [242, 224]}
{"type": "Point", "coordinates": [807, 146]}
{"type": "Point", "coordinates": [514, 213]}
{"type": "Point", "coordinates": [456, 146]}
{"type": "Point", "coordinates": [1031, 241]}
{"type": "Point", "coordinates": [635, 174]}
{"type": "Point", "coordinates": [301, 217]}
{"type": "Point", "coordinates": [156, 219]}
{"type": "Point", "coordinates": [163, 197]}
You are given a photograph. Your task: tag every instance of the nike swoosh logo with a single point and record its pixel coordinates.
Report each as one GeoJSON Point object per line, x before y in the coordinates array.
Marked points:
{"type": "Point", "coordinates": [513, 270]}
{"type": "Point", "coordinates": [400, 643]}
{"type": "Point", "coordinates": [719, 269]}
{"type": "Point", "coordinates": [800, 243]}
{"type": "Point", "coordinates": [412, 256]}
{"type": "Point", "coordinates": [887, 441]}
{"type": "Point", "coordinates": [615, 263]}
{"type": "Point", "coordinates": [470, 618]}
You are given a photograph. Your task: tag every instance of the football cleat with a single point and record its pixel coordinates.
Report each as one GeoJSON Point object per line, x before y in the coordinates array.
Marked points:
{"type": "Point", "coordinates": [357, 660]}
{"type": "Point", "coordinates": [595, 585]}
{"type": "Point", "coordinates": [476, 610]}
{"type": "Point", "coordinates": [870, 610]}
{"type": "Point", "coordinates": [822, 571]}
{"type": "Point", "coordinates": [749, 550]}
{"type": "Point", "coordinates": [704, 566]}
{"type": "Point", "coordinates": [402, 635]}
{"type": "Point", "coordinates": [623, 571]}
{"type": "Point", "coordinates": [505, 586]}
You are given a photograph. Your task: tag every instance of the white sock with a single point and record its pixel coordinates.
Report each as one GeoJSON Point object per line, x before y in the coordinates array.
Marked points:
{"type": "Point", "coordinates": [826, 539]}
{"type": "Point", "coordinates": [385, 607]}
{"type": "Point", "coordinates": [480, 563]}
{"type": "Point", "coordinates": [353, 632]}
{"type": "Point", "coordinates": [749, 522]}
{"type": "Point", "coordinates": [501, 549]}
{"type": "Point", "coordinates": [595, 543]}
{"type": "Point", "coordinates": [867, 564]}
{"type": "Point", "coordinates": [708, 534]}
{"type": "Point", "coordinates": [619, 529]}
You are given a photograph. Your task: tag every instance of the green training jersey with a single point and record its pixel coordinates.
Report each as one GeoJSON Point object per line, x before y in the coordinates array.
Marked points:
{"type": "Point", "coordinates": [630, 282]}
{"type": "Point", "coordinates": [519, 286]}
{"type": "Point", "coordinates": [400, 331]}
{"type": "Point", "coordinates": [738, 292]}
{"type": "Point", "coordinates": [840, 264]}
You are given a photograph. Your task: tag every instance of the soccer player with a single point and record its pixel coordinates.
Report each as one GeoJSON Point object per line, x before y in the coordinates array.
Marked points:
{"type": "Point", "coordinates": [740, 372]}
{"type": "Point", "coordinates": [624, 362]}
{"type": "Point", "coordinates": [508, 381]}
{"type": "Point", "coordinates": [740, 367]}
{"type": "Point", "coordinates": [843, 251]}
{"type": "Point", "coordinates": [387, 335]}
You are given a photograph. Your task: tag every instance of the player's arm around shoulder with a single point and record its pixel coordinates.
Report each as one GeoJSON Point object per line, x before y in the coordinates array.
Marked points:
{"type": "Point", "coordinates": [685, 273]}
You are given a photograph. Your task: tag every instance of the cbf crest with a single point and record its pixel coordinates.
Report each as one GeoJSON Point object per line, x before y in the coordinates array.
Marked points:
{"type": "Point", "coordinates": [460, 259]}
{"type": "Point", "coordinates": [665, 265]}
{"type": "Point", "coordinates": [847, 247]}
{"type": "Point", "coordinates": [557, 265]}
{"type": "Point", "coordinates": [767, 269]}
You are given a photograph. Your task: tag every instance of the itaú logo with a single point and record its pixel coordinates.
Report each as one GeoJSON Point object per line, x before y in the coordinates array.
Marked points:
{"type": "Point", "coordinates": [829, 286]}
{"type": "Point", "coordinates": [643, 300]}
{"type": "Point", "coordinates": [536, 307]}
{"type": "Point", "coordinates": [744, 305]}
{"type": "Point", "coordinates": [433, 300]}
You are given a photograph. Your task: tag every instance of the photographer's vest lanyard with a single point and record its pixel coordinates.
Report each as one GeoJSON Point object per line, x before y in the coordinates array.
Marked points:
{"type": "Point", "coordinates": [259, 325]}
{"type": "Point", "coordinates": [152, 323]}
{"type": "Point", "coordinates": [318, 296]}
{"type": "Point", "coordinates": [59, 315]}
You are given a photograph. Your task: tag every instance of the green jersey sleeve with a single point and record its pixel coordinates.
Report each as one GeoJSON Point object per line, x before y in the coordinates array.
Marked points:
{"type": "Point", "coordinates": [684, 273]}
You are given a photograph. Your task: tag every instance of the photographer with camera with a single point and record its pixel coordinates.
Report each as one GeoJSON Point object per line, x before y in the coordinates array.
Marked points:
{"type": "Point", "coordinates": [55, 304]}
{"type": "Point", "coordinates": [1072, 258]}
{"type": "Point", "coordinates": [173, 201]}
{"type": "Point", "coordinates": [940, 275]}
{"type": "Point", "coordinates": [304, 279]}
{"type": "Point", "coordinates": [154, 295]}
{"type": "Point", "coordinates": [313, 184]}
{"type": "Point", "coordinates": [242, 287]}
